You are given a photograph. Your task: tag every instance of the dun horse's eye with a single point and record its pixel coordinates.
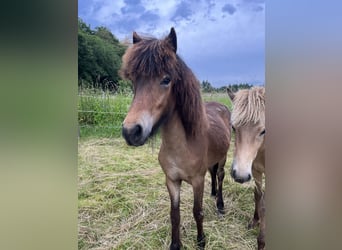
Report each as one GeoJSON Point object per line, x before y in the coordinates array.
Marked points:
{"type": "Point", "coordinates": [262, 132]}
{"type": "Point", "coordinates": [166, 80]}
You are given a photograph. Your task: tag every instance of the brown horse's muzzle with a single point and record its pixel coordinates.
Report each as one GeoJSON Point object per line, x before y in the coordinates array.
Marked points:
{"type": "Point", "coordinates": [136, 129]}
{"type": "Point", "coordinates": [134, 135]}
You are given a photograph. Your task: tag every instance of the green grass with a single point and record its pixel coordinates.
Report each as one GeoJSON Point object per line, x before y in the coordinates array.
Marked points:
{"type": "Point", "coordinates": [122, 198]}
{"type": "Point", "coordinates": [124, 204]}
{"type": "Point", "coordinates": [101, 114]}
{"type": "Point", "coordinates": [217, 97]}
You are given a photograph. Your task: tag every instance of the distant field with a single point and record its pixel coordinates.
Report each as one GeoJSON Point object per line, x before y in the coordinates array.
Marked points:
{"type": "Point", "coordinates": [124, 204]}
{"type": "Point", "coordinates": [101, 114]}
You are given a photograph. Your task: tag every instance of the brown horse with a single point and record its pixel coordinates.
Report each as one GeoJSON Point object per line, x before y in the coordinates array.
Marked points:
{"type": "Point", "coordinates": [248, 123]}
{"type": "Point", "coordinates": [195, 136]}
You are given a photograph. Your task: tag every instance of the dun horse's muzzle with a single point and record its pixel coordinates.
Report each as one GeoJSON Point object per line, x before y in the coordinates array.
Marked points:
{"type": "Point", "coordinates": [134, 136]}
{"type": "Point", "coordinates": [240, 179]}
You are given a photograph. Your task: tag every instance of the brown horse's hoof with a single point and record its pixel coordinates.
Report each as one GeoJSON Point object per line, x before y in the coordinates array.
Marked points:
{"type": "Point", "coordinates": [221, 211]}
{"type": "Point", "coordinates": [175, 246]}
{"type": "Point", "coordinates": [201, 242]}
{"type": "Point", "coordinates": [220, 207]}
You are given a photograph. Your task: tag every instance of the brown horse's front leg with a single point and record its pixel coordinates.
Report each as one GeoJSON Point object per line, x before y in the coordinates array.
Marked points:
{"type": "Point", "coordinates": [213, 173]}
{"type": "Point", "coordinates": [174, 191]}
{"type": "Point", "coordinates": [198, 187]}
{"type": "Point", "coordinates": [262, 215]}
{"type": "Point", "coordinates": [220, 176]}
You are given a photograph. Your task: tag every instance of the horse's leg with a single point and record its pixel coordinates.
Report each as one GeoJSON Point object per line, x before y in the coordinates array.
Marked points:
{"type": "Point", "coordinates": [198, 187]}
{"type": "Point", "coordinates": [262, 215]}
{"type": "Point", "coordinates": [259, 212]}
{"type": "Point", "coordinates": [220, 176]}
{"type": "Point", "coordinates": [257, 198]}
{"type": "Point", "coordinates": [213, 172]}
{"type": "Point", "coordinates": [174, 191]}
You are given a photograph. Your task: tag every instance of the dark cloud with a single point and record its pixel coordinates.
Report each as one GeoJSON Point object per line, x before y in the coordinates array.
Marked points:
{"type": "Point", "coordinates": [125, 25]}
{"type": "Point", "coordinates": [183, 11]}
{"type": "Point", "coordinates": [258, 8]}
{"type": "Point", "coordinates": [229, 9]}
{"type": "Point", "coordinates": [132, 9]}
{"type": "Point", "coordinates": [149, 16]}
{"type": "Point", "coordinates": [132, 2]}
{"type": "Point", "coordinates": [254, 1]}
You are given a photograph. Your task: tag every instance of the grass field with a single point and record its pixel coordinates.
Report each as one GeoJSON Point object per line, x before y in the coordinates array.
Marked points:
{"type": "Point", "coordinates": [100, 114]}
{"type": "Point", "coordinates": [122, 198]}
{"type": "Point", "coordinates": [124, 203]}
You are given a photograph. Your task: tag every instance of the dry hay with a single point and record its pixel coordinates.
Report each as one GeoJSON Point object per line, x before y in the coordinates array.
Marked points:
{"type": "Point", "coordinates": [124, 204]}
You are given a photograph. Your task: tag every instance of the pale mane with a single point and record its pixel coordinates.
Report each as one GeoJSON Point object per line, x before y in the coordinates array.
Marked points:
{"type": "Point", "coordinates": [249, 106]}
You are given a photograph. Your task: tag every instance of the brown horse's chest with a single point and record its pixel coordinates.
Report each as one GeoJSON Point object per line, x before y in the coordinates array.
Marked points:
{"type": "Point", "coordinates": [181, 163]}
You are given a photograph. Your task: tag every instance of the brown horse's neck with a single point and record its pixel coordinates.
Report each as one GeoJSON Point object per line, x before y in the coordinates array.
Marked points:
{"type": "Point", "coordinates": [173, 131]}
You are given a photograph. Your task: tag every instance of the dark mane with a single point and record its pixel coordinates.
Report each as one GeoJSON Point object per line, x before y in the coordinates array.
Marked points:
{"type": "Point", "coordinates": [153, 58]}
{"type": "Point", "coordinates": [148, 58]}
{"type": "Point", "coordinates": [188, 98]}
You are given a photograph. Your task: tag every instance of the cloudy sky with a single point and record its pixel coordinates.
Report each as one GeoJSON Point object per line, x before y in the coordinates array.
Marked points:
{"type": "Point", "coordinates": [221, 41]}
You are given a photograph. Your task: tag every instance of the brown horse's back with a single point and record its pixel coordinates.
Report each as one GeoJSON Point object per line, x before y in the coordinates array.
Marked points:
{"type": "Point", "coordinates": [219, 131]}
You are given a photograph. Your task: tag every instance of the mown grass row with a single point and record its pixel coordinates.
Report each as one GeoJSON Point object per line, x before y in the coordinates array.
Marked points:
{"type": "Point", "coordinates": [122, 199]}
{"type": "Point", "coordinates": [124, 204]}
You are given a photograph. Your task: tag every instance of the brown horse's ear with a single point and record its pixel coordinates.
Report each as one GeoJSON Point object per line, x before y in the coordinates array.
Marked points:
{"type": "Point", "coordinates": [136, 38]}
{"type": "Point", "coordinates": [172, 39]}
{"type": "Point", "coordinates": [230, 94]}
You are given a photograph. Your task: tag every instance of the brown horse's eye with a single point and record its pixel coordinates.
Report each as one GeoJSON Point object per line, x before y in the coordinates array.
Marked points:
{"type": "Point", "coordinates": [166, 80]}
{"type": "Point", "coordinates": [262, 132]}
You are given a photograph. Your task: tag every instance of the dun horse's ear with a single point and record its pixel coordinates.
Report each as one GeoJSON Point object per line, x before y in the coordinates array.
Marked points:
{"type": "Point", "coordinates": [136, 38]}
{"type": "Point", "coordinates": [172, 39]}
{"type": "Point", "coordinates": [230, 94]}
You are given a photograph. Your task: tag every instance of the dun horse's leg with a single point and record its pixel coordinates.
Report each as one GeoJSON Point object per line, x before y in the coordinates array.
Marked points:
{"type": "Point", "coordinates": [259, 212]}
{"type": "Point", "coordinates": [198, 187]}
{"type": "Point", "coordinates": [262, 213]}
{"type": "Point", "coordinates": [174, 192]}
{"type": "Point", "coordinates": [257, 198]}
{"type": "Point", "coordinates": [213, 172]}
{"type": "Point", "coordinates": [220, 176]}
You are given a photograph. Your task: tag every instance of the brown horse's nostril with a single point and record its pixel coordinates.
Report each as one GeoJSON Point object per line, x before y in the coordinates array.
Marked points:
{"type": "Point", "coordinates": [134, 135]}
{"type": "Point", "coordinates": [137, 131]}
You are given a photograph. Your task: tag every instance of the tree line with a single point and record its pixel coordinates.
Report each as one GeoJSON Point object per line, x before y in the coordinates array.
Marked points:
{"type": "Point", "coordinates": [208, 88]}
{"type": "Point", "coordinates": [99, 60]}
{"type": "Point", "coordinates": [99, 57]}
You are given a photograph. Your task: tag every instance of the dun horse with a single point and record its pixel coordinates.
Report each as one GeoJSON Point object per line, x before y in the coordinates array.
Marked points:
{"type": "Point", "coordinates": [248, 123]}
{"type": "Point", "coordinates": [195, 136]}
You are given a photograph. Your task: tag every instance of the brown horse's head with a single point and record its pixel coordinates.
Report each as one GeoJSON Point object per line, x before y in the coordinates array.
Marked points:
{"type": "Point", "coordinates": [248, 123]}
{"type": "Point", "coordinates": [162, 84]}
{"type": "Point", "coordinates": [153, 68]}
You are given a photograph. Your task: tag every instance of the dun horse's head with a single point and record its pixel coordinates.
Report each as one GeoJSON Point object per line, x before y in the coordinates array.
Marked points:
{"type": "Point", "coordinates": [151, 65]}
{"type": "Point", "coordinates": [248, 123]}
